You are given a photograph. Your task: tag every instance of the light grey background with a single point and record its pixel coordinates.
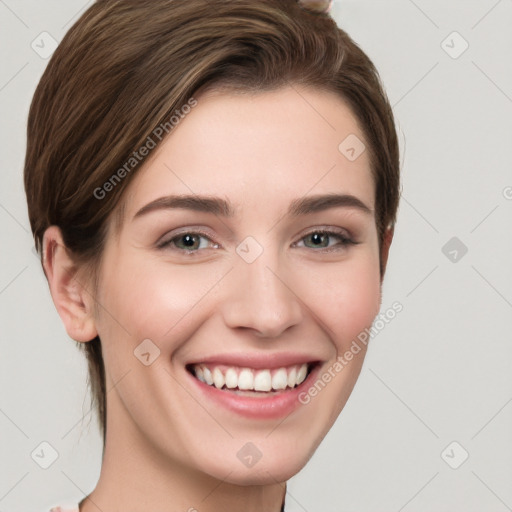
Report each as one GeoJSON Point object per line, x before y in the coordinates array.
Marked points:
{"type": "Point", "coordinates": [439, 372]}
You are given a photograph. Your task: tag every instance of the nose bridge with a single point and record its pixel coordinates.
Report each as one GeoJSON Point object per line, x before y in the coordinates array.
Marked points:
{"type": "Point", "coordinates": [260, 298]}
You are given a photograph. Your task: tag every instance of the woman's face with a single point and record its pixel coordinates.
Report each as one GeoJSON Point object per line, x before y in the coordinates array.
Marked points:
{"type": "Point", "coordinates": [251, 294]}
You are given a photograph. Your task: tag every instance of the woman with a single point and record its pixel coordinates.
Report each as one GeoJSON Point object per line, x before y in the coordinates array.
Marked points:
{"type": "Point", "coordinates": [213, 188]}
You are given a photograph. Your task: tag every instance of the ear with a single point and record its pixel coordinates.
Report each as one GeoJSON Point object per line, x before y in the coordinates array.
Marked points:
{"type": "Point", "coordinates": [384, 251]}
{"type": "Point", "coordinates": [72, 300]}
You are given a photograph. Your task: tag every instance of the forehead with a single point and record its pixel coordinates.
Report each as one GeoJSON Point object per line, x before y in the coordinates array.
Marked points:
{"type": "Point", "coordinates": [269, 146]}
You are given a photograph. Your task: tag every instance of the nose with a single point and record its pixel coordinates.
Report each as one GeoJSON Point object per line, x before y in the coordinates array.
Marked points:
{"type": "Point", "coordinates": [261, 298]}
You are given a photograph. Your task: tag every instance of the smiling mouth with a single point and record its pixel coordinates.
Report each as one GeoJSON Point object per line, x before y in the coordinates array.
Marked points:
{"type": "Point", "coordinates": [249, 381]}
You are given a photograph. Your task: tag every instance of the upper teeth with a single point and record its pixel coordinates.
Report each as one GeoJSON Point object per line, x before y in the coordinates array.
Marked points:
{"type": "Point", "coordinates": [249, 379]}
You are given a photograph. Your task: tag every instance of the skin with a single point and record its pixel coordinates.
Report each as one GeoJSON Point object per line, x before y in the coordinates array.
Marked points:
{"type": "Point", "coordinates": [166, 447]}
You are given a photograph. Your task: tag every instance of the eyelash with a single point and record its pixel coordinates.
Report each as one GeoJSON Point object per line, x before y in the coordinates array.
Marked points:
{"type": "Point", "coordinates": [345, 241]}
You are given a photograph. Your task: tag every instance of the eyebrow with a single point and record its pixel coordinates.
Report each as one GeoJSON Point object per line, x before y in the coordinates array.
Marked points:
{"type": "Point", "coordinates": [218, 206]}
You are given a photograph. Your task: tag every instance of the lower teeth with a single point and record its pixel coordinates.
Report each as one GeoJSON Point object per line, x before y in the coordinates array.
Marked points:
{"type": "Point", "coordinates": [257, 393]}
{"type": "Point", "coordinates": [251, 392]}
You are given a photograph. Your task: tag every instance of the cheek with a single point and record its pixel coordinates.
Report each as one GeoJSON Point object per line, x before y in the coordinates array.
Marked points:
{"type": "Point", "coordinates": [152, 299]}
{"type": "Point", "coordinates": [345, 297]}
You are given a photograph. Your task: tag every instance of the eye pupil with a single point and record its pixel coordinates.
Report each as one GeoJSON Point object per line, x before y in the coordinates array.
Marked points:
{"type": "Point", "coordinates": [317, 238]}
{"type": "Point", "coordinates": [188, 240]}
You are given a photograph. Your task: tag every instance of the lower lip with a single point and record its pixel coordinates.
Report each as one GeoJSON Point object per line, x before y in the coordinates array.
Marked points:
{"type": "Point", "coordinates": [273, 406]}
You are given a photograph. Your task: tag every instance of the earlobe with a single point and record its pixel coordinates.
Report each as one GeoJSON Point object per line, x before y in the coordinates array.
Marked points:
{"type": "Point", "coordinates": [70, 296]}
{"type": "Point", "coordinates": [384, 253]}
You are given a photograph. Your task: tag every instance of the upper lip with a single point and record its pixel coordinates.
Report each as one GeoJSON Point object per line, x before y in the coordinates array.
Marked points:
{"type": "Point", "coordinates": [257, 361]}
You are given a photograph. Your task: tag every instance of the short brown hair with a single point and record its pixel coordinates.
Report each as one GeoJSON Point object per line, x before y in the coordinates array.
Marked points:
{"type": "Point", "coordinates": [123, 69]}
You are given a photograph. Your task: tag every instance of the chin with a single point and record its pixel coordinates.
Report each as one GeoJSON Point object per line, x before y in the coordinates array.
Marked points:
{"type": "Point", "coordinates": [261, 462]}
